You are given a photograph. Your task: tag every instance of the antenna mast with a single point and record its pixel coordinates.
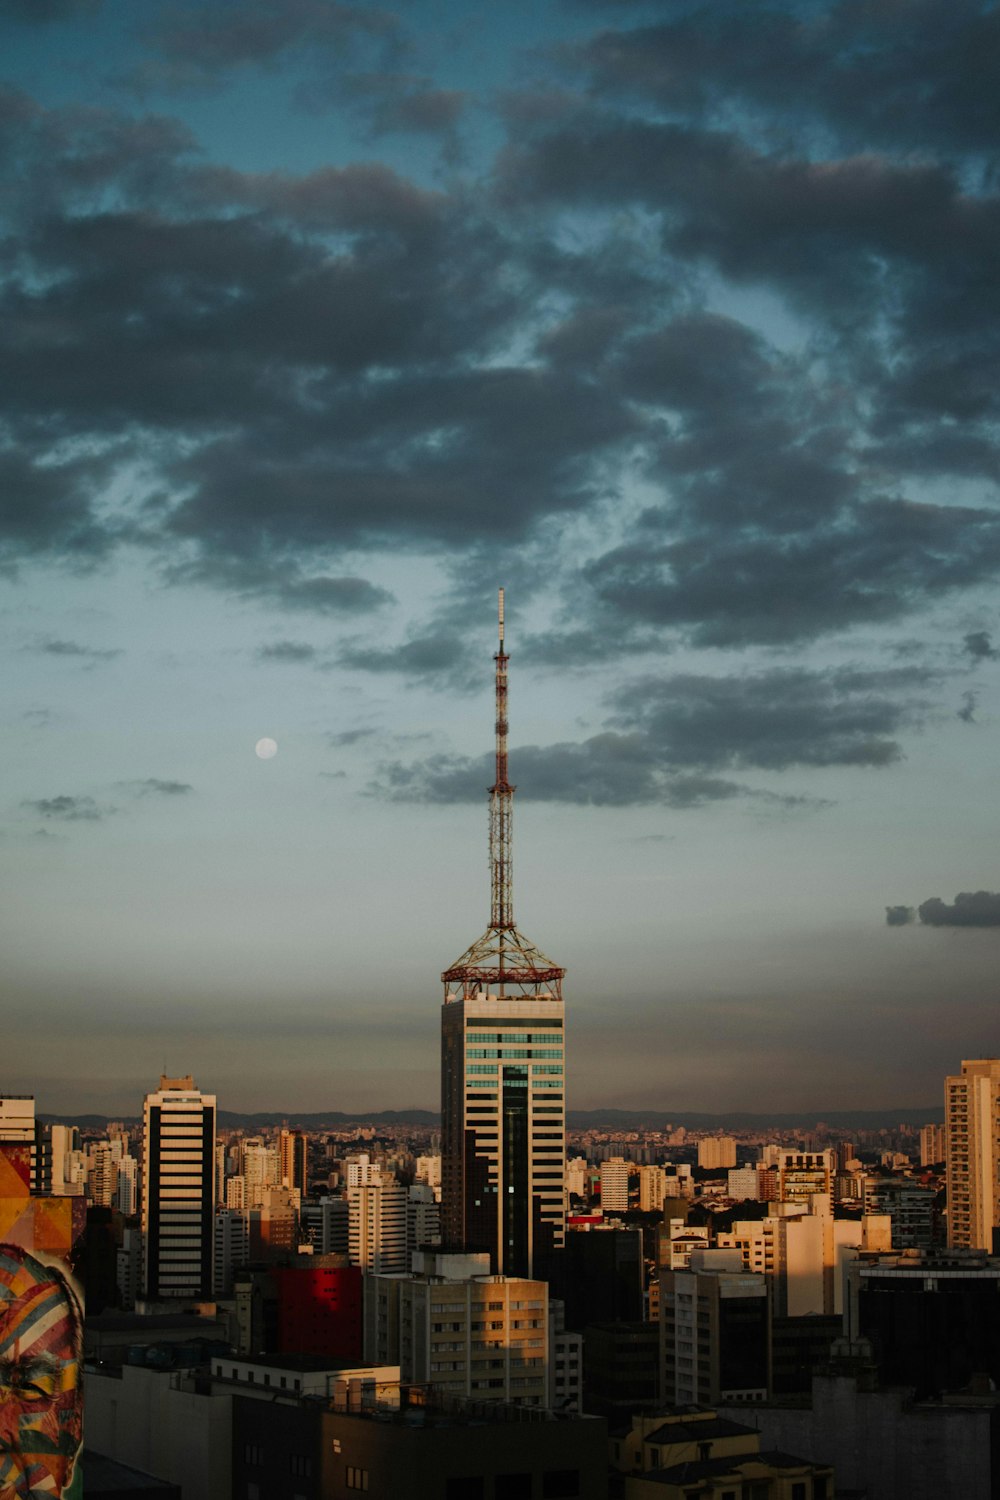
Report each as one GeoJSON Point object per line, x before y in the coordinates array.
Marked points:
{"type": "Point", "coordinates": [503, 956]}
{"type": "Point", "coordinates": [501, 805]}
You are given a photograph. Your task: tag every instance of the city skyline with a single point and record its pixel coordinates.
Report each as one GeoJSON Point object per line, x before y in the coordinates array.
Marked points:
{"type": "Point", "coordinates": [325, 322]}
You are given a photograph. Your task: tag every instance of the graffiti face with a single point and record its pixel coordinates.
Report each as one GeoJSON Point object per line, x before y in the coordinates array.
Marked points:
{"type": "Point", "coordinates": [41, 1414]}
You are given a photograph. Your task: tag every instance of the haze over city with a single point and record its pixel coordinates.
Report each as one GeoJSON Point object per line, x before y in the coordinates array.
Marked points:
{"type": "Point", "coordinates": [321, 323]}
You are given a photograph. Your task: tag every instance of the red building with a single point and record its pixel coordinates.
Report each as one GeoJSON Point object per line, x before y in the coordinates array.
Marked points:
{"type": "Point", "coordinates": [320, 1309]}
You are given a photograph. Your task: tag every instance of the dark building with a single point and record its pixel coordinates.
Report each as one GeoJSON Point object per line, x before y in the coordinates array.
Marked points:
{"type": "Point", "coordinates": [319, 1309]}
{"type": "Point", "coordinates": [490, 1451]}
{"type": "Point", "coordinates": [178, 1191]}
{"type": "Point", "coordinates": [798, 1347]}
{"type": "Point", "coordinates": [598, 1275]}
{"type": "Point", "coordinates": [933, 1319]}
{"type": "Point", "coordinates": [621, 1369]}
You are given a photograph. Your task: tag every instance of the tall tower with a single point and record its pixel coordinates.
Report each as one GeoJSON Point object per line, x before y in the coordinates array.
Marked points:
{"type": "Point", "coordinates": [972, 1153]}
{"type": "Point", "coordinates": [178, 1190]}
{"type": "Point", "coordinates": [503, 1112]}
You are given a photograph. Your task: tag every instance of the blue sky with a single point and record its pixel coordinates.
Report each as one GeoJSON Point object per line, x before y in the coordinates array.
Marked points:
{"type": "Point", "coordinates": [322, 321]}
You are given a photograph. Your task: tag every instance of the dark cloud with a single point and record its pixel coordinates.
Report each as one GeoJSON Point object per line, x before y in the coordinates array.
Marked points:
{"type": "Point", "coordinates": [671, 736]}
{"type": "Point", "coordinates": [194, 46]}
{"type": "Point", "coordinates": [839, 69]}
{"type": "Point", "coordinates": [287, 651]}
{"type": "Point", "coordinates": [281, 583]}
{"type": "Point", "coordinates": [899, 916]}
{"type": "Point", "coordinates": [977, 644]}
{"type": "Point", "coordinates": [53, 647]}
{"type": "Point", "coordinates": [970, 909]}
{"type": "Point", "coordinates": [442, 656]}
{"type": "Point", "coordinates": [40, 12]}
{"type": "Point", "coordinates": [154, 787]}
{"type": "Point", "coordinates": [347, 737]}
{"type": "Point", "coordinates": [68, 809]}
{"type": "Point", "coordinates": [967, 712]}
{"type": "Point", "coordinates": [773, 720]}
{"type": "Point", "coordinates": [400, 103]}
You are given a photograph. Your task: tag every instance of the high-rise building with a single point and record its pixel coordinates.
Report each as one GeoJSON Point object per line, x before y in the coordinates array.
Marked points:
{"type": "Point", "coordinates": [615, 1173]}
{"type": "Point", "coordinates": [18, 1127]}
{"type": "Point", "coordinates": [293, 1149]}
{"type": "Point", "coordinates": [806, 1177]}
{"type": "Point", "coordinates": [931, 1145]}
{"type": "Point", "coordinates": [178, 1197]}
{"type": "Point", "coordinates": [715, 1151]}
{"type": "Point", "coordinates": [502, 1069]}
{"type": "Point", "coordinates": [377, 1225]}
{"type": "Point", "coordinates": [972, 1153]}
{"type": "Point", "coordinates": [715, 1332]}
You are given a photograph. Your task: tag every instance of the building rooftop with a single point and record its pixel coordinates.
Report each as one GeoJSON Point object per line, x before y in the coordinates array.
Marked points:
{"type": "Point", "coordinates": [103, 1476]}
{"type": "Point", "coordinates": [698, 1431]}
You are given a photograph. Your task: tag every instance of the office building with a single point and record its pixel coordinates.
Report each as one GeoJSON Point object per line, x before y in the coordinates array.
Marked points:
{"type": "Point", "coordinates": [326, 1225]}
{"type": "Point", "coordinates": [178, 1197]}
{"type": "Point", "coordinates": [972, 1153]}
{"type": "Point", "coordinates": [127, 1186]}
{"type": "Point", "coordinates": [909, 1206]}
{"type": "Point", "coordinates": [502, 1069]}
{"type": "Point", "coordinates": [615, 1173]}
{"type": "Point", "coordinates": [743, 1183]}
{"type": "Point", "coordinates": [469, 1333]}
{"type": "Point", "coordinates": [18, 1127]}
{"type": "Point", "coordinates": [232, 1248]}
{"type": "Point", "coordinates": [64, 1140]}
{"type": "Point", "coordinates": [715, 1334]}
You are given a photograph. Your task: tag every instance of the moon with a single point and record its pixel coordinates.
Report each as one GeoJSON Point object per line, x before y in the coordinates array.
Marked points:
{"type": "Point", "coordinates": [266, 748]}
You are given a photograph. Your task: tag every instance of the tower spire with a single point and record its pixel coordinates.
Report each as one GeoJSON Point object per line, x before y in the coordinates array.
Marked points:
{"type": "Point", "coordinates": [501, 805]}
{"type": "Point", "coordinates": [503, 956]}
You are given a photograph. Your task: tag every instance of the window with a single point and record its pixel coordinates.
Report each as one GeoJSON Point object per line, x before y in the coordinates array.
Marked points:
{"type": "Point", "coordinates": [471, 1488]}
{"type": "Point", "coordinates": [253, 1453]}
{"type": "Point", "coordinates": [799, 1490]}
{"type": "Point", "coordinates": [300, 1465]}
{"type": "Point", "coordinates": [512, 1487]}
{"type": "Point", "coordinates": [357, 1479]}
{"type": "Point", "coordinates": [560, 1484]}
{"type": "Point", "coordinates": [253, 1491]}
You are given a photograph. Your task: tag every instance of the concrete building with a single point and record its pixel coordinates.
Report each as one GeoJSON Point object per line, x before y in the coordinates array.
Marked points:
{"type": "Point", "coordinates": [716, 1151]}
{"type": "Point", "coordinates": [806, 1177]}
{"type": "Point", "coordinates": [503, 1130]}
{"type": "Point", "coordinates": [377, 1225]}
{"type": "Point", "coordinates": [423, 1217]}
{"type": "Point", "coordinates": [452, 1324]}
{"type": "Point", "coordinates": [932, 1145]}
{"type": "Point", "coordinates": [743, 1183]}
{"type": "Point", "coordinates": [65, 1140]}
{"type": "Point", "coordinates": [232, 1248]}
{"type": "Point", "coordinates": [972, 1153]}
{"type": "Point", "coordinates": [18, 1127]}
{"type": "Point", "coordinates": [803, 1255]}
{"type": "Point", "coordinates": [909, 1207]}
{"type": "Point", "coordinates": [652, 1188]}
{"type": "Point", "coordinates": [676, 1455]}
{"type": "Point", "coordinates": [880, 1441]}
{"type": "Point", "coordinates": [293, 1158]}
{"type": "Point", "coordinates": [260, 1169]}
{"type": "Point", "coordinates": [126, 1199]}
{"type": "Point", "coordinates": [714, 1331]}
{"type": "Point", "coordinates": [178, 1191]}
{"type": "Point", "coordinates": [410, 1443]}
{"type": "Point", "coordinates": [615, 1175]}
{"type": "Point", "coordinates": [326, 1225]}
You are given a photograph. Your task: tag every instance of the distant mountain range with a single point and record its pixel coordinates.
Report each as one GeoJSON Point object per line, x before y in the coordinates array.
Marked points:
{"type": "Point", "coordinates": [576, 1119]}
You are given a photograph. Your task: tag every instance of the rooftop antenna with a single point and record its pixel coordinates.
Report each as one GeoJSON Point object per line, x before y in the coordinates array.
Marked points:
{"type": "Point", "coordinates": [502, 956]}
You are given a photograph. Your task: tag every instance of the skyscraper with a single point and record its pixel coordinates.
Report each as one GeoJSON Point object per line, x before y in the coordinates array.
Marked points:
{"type": "Point", "coordinates": [502, 1068]}
{"type": "Point", "coordinates": [178, 1190]}
{"type": "Point", "coordinates": [972, 1153]}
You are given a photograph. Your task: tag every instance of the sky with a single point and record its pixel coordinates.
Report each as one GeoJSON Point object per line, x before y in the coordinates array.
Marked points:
{"type": "Point", "coordinates": [319, 322]}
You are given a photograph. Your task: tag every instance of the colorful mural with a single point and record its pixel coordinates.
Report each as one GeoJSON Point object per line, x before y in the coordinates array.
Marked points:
{"type": "Point", "coordinates": [41, 1337]}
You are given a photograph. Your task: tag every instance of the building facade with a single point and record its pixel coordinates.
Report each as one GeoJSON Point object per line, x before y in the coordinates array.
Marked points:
{"type": "Point", "coordinates": [972, 1153]}
{"type": "Point", "coordinates": [178, 1190]}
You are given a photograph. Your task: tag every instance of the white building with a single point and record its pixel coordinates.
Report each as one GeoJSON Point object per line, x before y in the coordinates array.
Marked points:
{"type": "Point", "coordinates": [972, 1153]}
{"type": "Point", "coordinates": [615, 1175]}
{"type": "Point", "coordinates": [178, 1190]}
{"type": "Point", "coordinates": [377, 1225]}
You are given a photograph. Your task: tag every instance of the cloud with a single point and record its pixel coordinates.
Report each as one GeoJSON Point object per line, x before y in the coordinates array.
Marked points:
{"type": "Point", "coordinates": [68, 809]}
{"type": "Point", "coordinates": [287, 651]}
{"type": "Point", "coordinates": [776, 719]}
{"type": "Point", "coordinates": [970, 909]}
{"type": "Point", "coordinates": [53, 647]}
{"type": "Point", "coordinates": [441, 656]}
{"type": "Point", "coordinates": [899, 916]}
{"type": "Point", "coordinates": [153, 787]}
{"type": "Point", "coordinates": [967, 713]}
{"type": "Point", "coordinates": [670, 737]}
{"type": "Point", "coordinates": [347, 737]}
{"type": "Point", "coordinates": [978, 646]}
{"type": "Point", "coordinates": [41, 12]}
